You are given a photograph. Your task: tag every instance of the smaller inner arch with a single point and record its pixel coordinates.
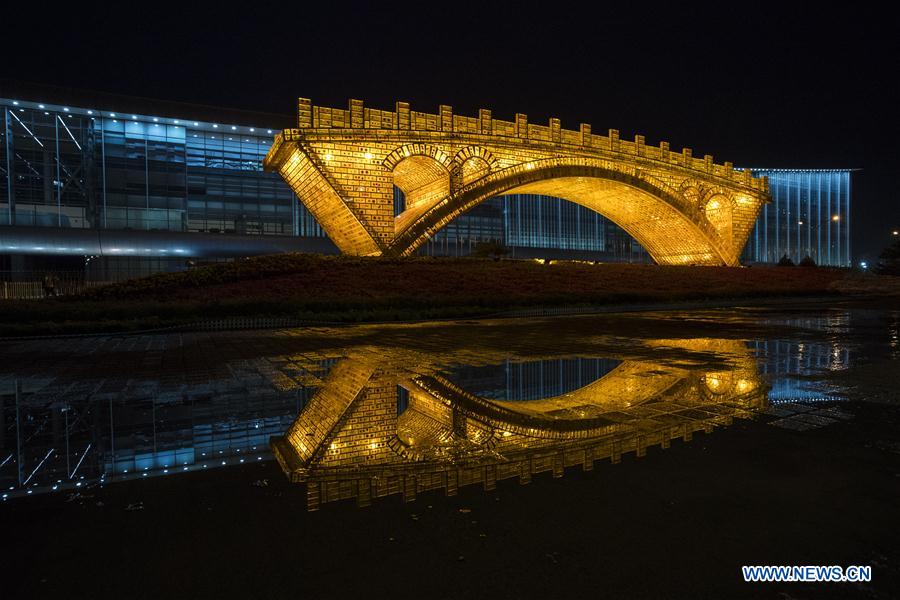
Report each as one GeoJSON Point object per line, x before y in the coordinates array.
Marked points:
{"type": "Point", "coordinates": [423, 181]}
{"type": "Point", "coordinates": [474, 168]}
{"type": "Point", "coordinates": [719, 212]}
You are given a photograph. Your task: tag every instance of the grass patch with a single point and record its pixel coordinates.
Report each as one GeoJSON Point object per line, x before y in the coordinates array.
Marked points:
{"type": "Point", "coordinates": [313, 287]}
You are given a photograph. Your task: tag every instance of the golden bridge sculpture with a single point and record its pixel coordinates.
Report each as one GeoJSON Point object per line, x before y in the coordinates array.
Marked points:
{"type": "Point", "coordinates": [344, 164]}
{"type": "Point", "coordinates": [350, 442]}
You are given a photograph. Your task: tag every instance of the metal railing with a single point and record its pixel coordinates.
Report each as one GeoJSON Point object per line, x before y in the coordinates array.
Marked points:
{"type": "Point", "coordinates": [34, 285]}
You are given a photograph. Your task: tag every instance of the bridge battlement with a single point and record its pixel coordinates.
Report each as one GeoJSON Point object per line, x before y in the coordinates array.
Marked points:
{"type": "Point", "coordinates": [358, 116]}
{"type": "Point", "coordinates": [344, 163]}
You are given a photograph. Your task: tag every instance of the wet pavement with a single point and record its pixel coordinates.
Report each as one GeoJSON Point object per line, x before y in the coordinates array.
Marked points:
{"type": "Point", "coordinates": [661, 451]}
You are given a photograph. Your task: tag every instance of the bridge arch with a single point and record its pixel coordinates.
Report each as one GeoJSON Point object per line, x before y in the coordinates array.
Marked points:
{"type": "Point", "coordinates": [669, 225]}
{"type": "Point", "coordinates": [472, 163]}
{"type": "Point", "coordinates": [391, 161]}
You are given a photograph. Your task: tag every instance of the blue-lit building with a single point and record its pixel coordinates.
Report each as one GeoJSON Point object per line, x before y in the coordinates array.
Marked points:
{"type": "Point", "coordinates": [809, 216]}
{"type": "Point", "coordinates": [120, 186]}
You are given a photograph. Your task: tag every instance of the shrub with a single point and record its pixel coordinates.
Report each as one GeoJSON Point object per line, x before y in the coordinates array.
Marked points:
{"type": "Point", "coordinates": [785, 261]}
{"type": "Point", "coordinates": [807, 261]}
{"type": "Point", "coordinates": [889, 260]}
{"type": "Point", "coordinates": [490, 249]}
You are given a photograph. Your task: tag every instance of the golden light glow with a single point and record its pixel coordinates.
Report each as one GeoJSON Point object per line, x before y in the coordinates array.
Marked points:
{"type": "Point", "coordinates": [447, 164]}
{"type": "Point", "coordinates": [447, 436]}
{"type": "Point", "coordinates": [835, 217]}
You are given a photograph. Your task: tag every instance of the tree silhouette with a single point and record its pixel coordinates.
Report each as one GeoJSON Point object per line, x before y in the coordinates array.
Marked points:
{"type": "Point", "coordinates": [889, 260]}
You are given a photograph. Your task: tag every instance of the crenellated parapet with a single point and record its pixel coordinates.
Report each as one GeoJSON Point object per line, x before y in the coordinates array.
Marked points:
{"type": "Point", "coordinates": [402, 118]}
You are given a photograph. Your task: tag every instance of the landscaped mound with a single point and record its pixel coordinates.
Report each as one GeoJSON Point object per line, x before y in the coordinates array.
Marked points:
{"type": "Point", "coordinates": [316, 287]}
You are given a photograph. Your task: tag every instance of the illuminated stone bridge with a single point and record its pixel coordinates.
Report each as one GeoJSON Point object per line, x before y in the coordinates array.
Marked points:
{"type": "Point", "coordinates": [351, 441]}
{"type": "Point", "coordinates": [344, 164]}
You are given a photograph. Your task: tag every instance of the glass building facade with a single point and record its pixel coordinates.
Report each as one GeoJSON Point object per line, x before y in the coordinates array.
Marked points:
{"type": "Point", "coordinates": [79, 168]}
{"type": "Point", "coordinates": [809, 216]}
{"type": "Point", "coordinates": [102, 167]}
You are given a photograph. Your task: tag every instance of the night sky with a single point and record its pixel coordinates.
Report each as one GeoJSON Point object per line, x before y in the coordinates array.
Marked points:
{"type": "Point", "coordinates": [764, 87]}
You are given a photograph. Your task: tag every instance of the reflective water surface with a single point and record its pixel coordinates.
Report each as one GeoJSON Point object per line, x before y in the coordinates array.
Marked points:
{"type": "Point", "coordinates": [369, 411]}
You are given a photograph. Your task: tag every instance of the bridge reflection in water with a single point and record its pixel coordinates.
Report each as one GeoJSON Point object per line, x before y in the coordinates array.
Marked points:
{"type": "Point", "coordinates": [378, 427]}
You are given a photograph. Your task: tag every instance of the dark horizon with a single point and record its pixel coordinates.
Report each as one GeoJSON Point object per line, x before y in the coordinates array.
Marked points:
{"type": "Point", "coordinates": [774, 88]}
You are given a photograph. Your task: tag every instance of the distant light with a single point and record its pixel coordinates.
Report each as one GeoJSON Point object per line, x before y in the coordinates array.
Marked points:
{"type": "Point", "coordinates": [175, 121]}
{"type": "Point", "coordinates": [112, 114]}
{"type": "Point", "coordinates": [215, 126]}
{"type": "Point", "coordinates": [65, 109]}
{"type": "Point", "coordinates": [114, 121]}
{"type": "Point", "coordinates": [16, 103]}
{"type": "Point", "coordinates": [368, 156]}
{"type": "Point", "coordinates": [40, 106]}
{"type": "Point", "coordinates": [134, 116]}
{"type": "Point", "coordinates": [799, 222]}
{"type": "Point", "coordinates": [233, 127]}
{"type": "Point", "coordinates": [864, 265]}
{"type": "Point", "coordinates": [196, 124]}
{"type": "Point", "coordinates": [252, 130]}
{"type": "Point", "coordinates": [835, 217]}
{"type": "Point", "coordinates": [895, 232]}
{"type": "Point", "coordinates": [90, 112]}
